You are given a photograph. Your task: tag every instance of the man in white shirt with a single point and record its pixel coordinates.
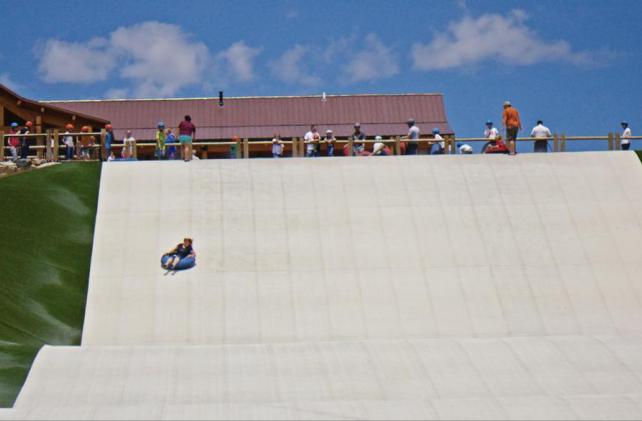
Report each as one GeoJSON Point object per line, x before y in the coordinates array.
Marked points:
{"type": "Point", "coordinates": [626, 136]}
{"type": "Point", "coordinates": [541, 133]}
{"type": "Point", "coordinates": [312, 139]}
{"type": "Point", "coordinates": [491, 134]}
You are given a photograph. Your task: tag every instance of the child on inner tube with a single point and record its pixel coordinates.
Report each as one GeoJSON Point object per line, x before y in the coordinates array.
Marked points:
{"type": "Point", "coordinates": [180, 252]}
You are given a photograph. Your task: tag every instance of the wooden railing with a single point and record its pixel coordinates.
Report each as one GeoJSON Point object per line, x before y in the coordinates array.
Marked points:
{"type": "Point", "coordinates": [294, 147]}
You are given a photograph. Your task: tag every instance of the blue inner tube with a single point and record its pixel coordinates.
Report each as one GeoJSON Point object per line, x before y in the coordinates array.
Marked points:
{"type": "Point", "coordinates": [186, 263]}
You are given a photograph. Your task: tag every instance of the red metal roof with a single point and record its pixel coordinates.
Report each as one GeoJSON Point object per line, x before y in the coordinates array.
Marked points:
{"type": "Point", "coordinates": [261, 117]}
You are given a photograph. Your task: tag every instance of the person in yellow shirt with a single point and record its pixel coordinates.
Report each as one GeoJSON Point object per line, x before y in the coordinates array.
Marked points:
{"type": "Point", "coordinates": [160, 140]}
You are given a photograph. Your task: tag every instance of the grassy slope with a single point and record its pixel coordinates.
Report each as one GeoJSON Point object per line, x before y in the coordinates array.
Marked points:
{"type": "Point", "coordinates": [47, 223]}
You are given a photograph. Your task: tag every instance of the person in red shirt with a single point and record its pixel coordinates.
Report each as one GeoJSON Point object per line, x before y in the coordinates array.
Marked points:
{"type": "Point", "coordinates": [186, 135]}
{"type": "Point", "coordinates": [512, 124]}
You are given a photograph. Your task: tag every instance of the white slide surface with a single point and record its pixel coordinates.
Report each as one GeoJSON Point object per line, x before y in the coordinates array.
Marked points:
{"type": "Point", "coordinates": [397, 287]}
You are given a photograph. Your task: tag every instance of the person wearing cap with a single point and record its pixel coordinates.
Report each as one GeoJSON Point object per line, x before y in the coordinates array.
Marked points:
{"type": "Point", "coordinates": [438, 141]}
{"type": "Point", "coordinates": [109, 140]}
{"type": "Point", "coordinates": [380, 148]}
{"type": "Point", "coordinates": [625, 144]}
{"type": "Point", "coordinates": [13, 141]}
{"type": "Point", "coordinates": [129, 146]}
{"type": "Point", "coordinates": [513, 124]}
{"type": "Point", "coordinates": [464, 148]}
{"type": "Point", "coordinates": [160, 140]}
{"type": "Point", "coordinates": [358, 148]}
{"type": "Point", "coordinates": [330, 141]}
{"type": "Point", "coordinates": [413, 138]}
{"type": "Point", "coordinates": [312, 139]}
{"type": "Point", "coordinates": [491, 134]}
{"type": "Point", "coordinates": [541, 133]}
{"type": "Point", "coordinates": [68, 141]}
{"type": "Point", "coordinates": [170, 139]}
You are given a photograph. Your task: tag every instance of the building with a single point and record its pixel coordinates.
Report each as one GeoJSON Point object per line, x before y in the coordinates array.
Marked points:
{"type": "Point", "coordinates": [254, 118]}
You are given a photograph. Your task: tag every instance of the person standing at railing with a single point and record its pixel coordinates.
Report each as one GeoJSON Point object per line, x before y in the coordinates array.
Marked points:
{"type": "Point", "coordinates": [541, 133]}
{"type": "Point", "coordinates": [358, 148]}
{"type": "Point", "coordinates": [68, 141]}
{"type": "Point", "coordinates": [186, 135]}
{"type": "Point", "coordinates": [413, 138]}
{"type": "Point", "coordinates": [160, 140]}
{"type": "Point", "coordinates": [24, 140]}
{"type": "Point", "coordinates": [277, 146]}
{"type": "Point", "coordinates": [13, 141]}
{"type": "Point", "coordinates": [513, 124]}
{"type": "Point", "coordinates": [439, 141]}
{"type": "Point", "coordinates": [330, 141]}
{"type": "Point", "coordinates": [491, 134]}
{"type": "Point", "coordinates": [626, 136]}
{"type": "Point", "coordinates": [129, 145]}
{"type": "Point", "coordinates": [312, 139]}
{"type": "Point", "coordinates": [170, 139]}
{"type": "Point", "coordinates": [109, 140]}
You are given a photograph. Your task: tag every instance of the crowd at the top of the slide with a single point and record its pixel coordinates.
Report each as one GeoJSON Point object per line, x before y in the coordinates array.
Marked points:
{"type": "Point", "coordinates": [83, 146]}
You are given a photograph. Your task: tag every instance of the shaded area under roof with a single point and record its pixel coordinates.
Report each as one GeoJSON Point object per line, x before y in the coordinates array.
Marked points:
{"type": "Point", "coordinates": [261, 117]}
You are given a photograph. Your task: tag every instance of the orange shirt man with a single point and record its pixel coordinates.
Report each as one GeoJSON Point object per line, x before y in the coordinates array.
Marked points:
{"type": "Point", "coordinates": [512, 124]}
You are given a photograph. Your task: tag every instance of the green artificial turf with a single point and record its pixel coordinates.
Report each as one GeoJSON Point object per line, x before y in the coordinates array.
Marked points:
{"type": "Point", "coordinates": [47, 223]}
{"type": "Point", "coordinates": [639, 154]}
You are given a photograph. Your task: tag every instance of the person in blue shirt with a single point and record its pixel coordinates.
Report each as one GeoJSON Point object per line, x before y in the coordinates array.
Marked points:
{"type": "Point", "coordinates": [109, 140]}
{"type": "Point", "coordinates": [170, 139]}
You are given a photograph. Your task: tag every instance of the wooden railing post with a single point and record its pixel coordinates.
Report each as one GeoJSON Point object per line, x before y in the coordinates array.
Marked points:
{"type": "Point", "coordinates": [56, 146]}
{"type": "Point", "coordinates": [295, 147]}
{"type": "Point", "coordinates": [618, 142]}
{"type": "Point", "coordinates": [563, 143]}
{"type": "Point", "coordinates": [103, 151]}
{"type": "Point", "coordinates": [611, 141]}
{"type": "Point", "coordinates": [39, 141]}
{"type": "Point", "coordinates": [246, 148]}
{"type": "Point", "coordinates": [302, 147]}
{"type": "Point", "coordinates": [350, 146]}
{"type": "Point", "coordinates": [48, 148]}
{"type": "Point", "coordinates": [397, 140]}
{"type": "Point", "coordinates": [556, 142]}
{"type": "Point", "coordinates": [2, 142]}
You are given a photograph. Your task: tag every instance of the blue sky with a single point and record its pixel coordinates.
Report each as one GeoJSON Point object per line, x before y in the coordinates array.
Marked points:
{"type": "Point", "coordinates": [575, 64]}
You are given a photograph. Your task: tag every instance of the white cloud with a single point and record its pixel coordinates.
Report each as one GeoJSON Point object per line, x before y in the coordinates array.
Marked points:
{"type": "Point", "coordinates": [374, 61]}
{"type": "Point", "coordinates": [492, 37]}
{"type": "Point", "coordinates": [160, 58]}
{"type": "Point", "coordinates": [349, 59]}
{"type": "Point", "coordinates": [239, 60]}
{"type": "Point", "coordinates": [155, 59]}
{"type": "Point", "coordinates": [293, 67]}
{"type": "Point", "coordinates": [62, 61]}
